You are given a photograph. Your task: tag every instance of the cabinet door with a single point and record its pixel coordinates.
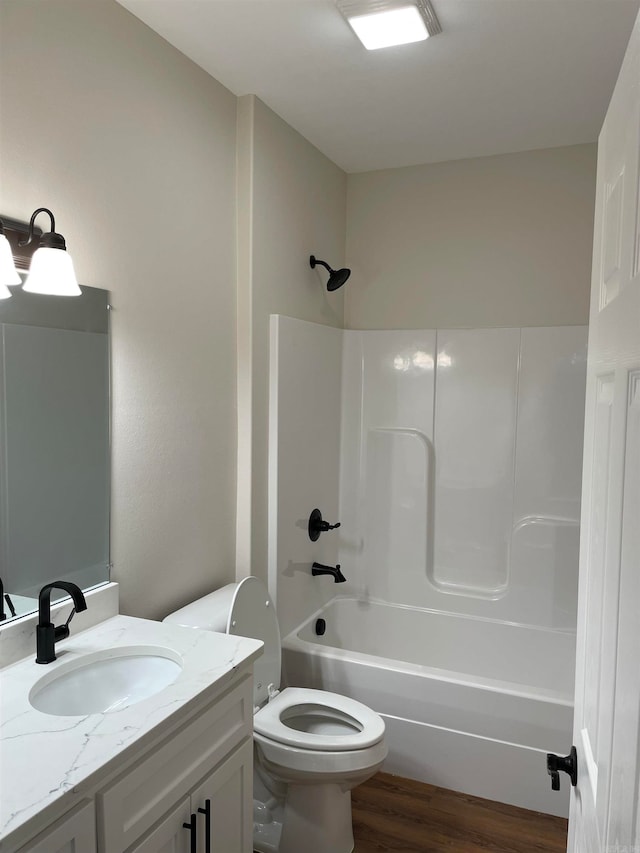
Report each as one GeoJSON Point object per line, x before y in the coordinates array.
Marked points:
{"type": "Point", "coordinates": [227, 796]}
{"type": "Point", "coordinates": [169, 836]}
{"type": "Point", "coordinates": [143, 795]}
{"type": "Point", "coordinates": [73, 833]}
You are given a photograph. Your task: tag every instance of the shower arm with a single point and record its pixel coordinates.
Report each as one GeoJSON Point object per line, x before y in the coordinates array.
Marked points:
{"type": "Point", "coordinates": [322, 263]}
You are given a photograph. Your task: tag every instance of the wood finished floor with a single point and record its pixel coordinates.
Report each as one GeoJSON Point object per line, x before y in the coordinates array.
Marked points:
{"type": "Point", "coordinates": [395, 814]}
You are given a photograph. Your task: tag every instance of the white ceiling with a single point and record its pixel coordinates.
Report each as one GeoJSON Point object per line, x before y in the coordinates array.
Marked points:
{"type": "Point", "coordinates": [505, 75]}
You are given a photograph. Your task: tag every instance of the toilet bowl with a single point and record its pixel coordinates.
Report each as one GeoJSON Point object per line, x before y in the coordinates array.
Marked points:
{"type": "Point", "coordinates": [311, 747]}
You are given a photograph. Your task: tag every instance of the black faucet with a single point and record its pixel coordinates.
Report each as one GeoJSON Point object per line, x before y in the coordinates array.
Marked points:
{"type": "Point", "coordinates": [5, 598]}
{"type": "Point", "coordinates": [47, 634]}
{"type": "Point", "coordinates": [319, 569]}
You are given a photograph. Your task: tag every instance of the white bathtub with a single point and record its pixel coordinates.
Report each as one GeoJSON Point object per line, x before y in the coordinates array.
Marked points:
{"type": "Point", "coordinates": [469, 704]}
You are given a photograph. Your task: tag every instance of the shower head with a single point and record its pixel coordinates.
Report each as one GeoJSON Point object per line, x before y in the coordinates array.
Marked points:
{"type": "Point", "coordinates": [336, 277]}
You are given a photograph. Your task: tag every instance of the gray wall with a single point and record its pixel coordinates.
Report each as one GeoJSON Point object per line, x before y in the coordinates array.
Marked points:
{"type": "Point", "coordinates": [291, 204]}
{"type": "Point", "coordinates": [133, 147]}
{"type": "Point", "coordinates": [493, 241]}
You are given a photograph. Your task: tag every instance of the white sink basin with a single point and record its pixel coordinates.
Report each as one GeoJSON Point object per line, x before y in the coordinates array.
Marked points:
{"type": "Point", "coordinates": [105, 681]}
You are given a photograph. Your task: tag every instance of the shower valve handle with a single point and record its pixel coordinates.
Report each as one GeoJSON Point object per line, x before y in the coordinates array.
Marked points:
{"type": "Point", "coordinates": [317, 525]}
{"type": "Point", "coordinates": [568, 764]}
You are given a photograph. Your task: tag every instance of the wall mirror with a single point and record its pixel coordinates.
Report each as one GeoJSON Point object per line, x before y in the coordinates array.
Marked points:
{"type": "Point", "coordinates": [54, 444]}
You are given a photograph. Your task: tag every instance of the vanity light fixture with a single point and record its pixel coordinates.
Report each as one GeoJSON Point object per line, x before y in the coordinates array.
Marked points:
{"type": "Point", "coordinates": [8, 272]}
{"type": "Point", "coordinates": [25, 249]}
{"type": "Point", "coordinates": [51, 271]}
{"type": "Point", "coordinates": [386, 23]}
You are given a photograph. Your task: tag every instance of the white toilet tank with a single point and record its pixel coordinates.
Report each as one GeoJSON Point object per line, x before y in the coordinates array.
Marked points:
{"type": "Point", "coordinates": [246, 610]}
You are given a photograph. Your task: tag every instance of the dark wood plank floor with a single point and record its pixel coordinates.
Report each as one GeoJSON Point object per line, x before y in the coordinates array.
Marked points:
{"type": "Point", "coordinates": [395, 814]}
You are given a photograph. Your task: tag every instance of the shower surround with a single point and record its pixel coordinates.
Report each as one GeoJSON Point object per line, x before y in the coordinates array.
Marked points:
{"type": "Point", "coordinates": [460, 456]}
{"type": "Point", "coordinates": [461, 470]}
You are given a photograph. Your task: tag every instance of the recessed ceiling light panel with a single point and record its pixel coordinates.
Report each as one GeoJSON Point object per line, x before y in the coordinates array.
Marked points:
{"type": "Point", "coordinates": [384, 23]}
{"type": "Point", "coordinates": [388, 28]}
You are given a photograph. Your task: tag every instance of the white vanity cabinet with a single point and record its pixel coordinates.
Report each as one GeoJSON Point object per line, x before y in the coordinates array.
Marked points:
{"type": "Point", "coordinates": [209, 759]}
{"type": "Point", "coordinates": [126, 781]}
{"type": "Point", "coordinates": [201, 774]}
{"type": "Point", "coordinates": [216, 818]}
{"type": "Point", "coordinates": [73, 833]}
{"type": "Point", "coordinates": [227, 795]}
{"type": "Point", "coordinates": [169, 836]}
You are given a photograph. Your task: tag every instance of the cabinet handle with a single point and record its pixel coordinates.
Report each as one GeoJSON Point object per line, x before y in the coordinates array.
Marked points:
{"type": "Point", "coordinates": [193, 829]}
{"type": "Point", "coordinates": [206, 811]}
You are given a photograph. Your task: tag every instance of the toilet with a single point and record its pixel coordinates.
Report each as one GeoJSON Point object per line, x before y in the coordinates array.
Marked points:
{"type": "Point", "coordinates": [311, 747]}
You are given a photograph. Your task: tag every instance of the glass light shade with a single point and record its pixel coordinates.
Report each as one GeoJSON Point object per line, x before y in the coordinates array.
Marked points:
{"type": "Point", "coordinates": [390, 27]}
{"type": "Point", "coordinates": [51, 272]}
{"type": "Point", "coordinates": [8, 271]}
{"type": "Point", "coordinates": [5, 293]}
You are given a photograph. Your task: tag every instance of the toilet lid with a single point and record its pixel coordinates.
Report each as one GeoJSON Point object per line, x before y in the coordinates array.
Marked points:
{"type": "Point", "coordinates": [253, 614]}
{"type": "Point", "coordinates": [320, 720]}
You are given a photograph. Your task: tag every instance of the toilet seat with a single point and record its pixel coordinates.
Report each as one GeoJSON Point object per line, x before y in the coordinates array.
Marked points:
{"type": "Point", "coordinates": [291, 764]}
{"type": "Point", "coordinates": [353, 725]}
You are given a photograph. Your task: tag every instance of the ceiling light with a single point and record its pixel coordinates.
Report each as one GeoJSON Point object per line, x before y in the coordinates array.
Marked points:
{"type": "Point", "coordinates": [385, 23]}
{"type": "Point", "coordinates": [385, 29]}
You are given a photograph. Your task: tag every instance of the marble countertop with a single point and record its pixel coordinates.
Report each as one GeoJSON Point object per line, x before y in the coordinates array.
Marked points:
{"type": "Point", "coordinates": [42, 757]}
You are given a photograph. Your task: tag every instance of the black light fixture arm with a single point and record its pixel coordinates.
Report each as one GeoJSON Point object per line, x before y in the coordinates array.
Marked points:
{"type": "Point", "coordinates": [50, 239]}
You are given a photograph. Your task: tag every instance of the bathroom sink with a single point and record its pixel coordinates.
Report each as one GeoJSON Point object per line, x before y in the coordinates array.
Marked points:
{"type": "Point", "coordinates": [105, 681]}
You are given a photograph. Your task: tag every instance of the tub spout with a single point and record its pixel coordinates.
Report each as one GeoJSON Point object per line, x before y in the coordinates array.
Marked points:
{"type": "Point", "coordinates": [319, 569]}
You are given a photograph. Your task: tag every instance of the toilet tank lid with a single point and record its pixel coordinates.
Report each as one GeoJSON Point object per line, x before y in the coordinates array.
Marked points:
{"type": "Point", "coordinates": [210, 613]}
